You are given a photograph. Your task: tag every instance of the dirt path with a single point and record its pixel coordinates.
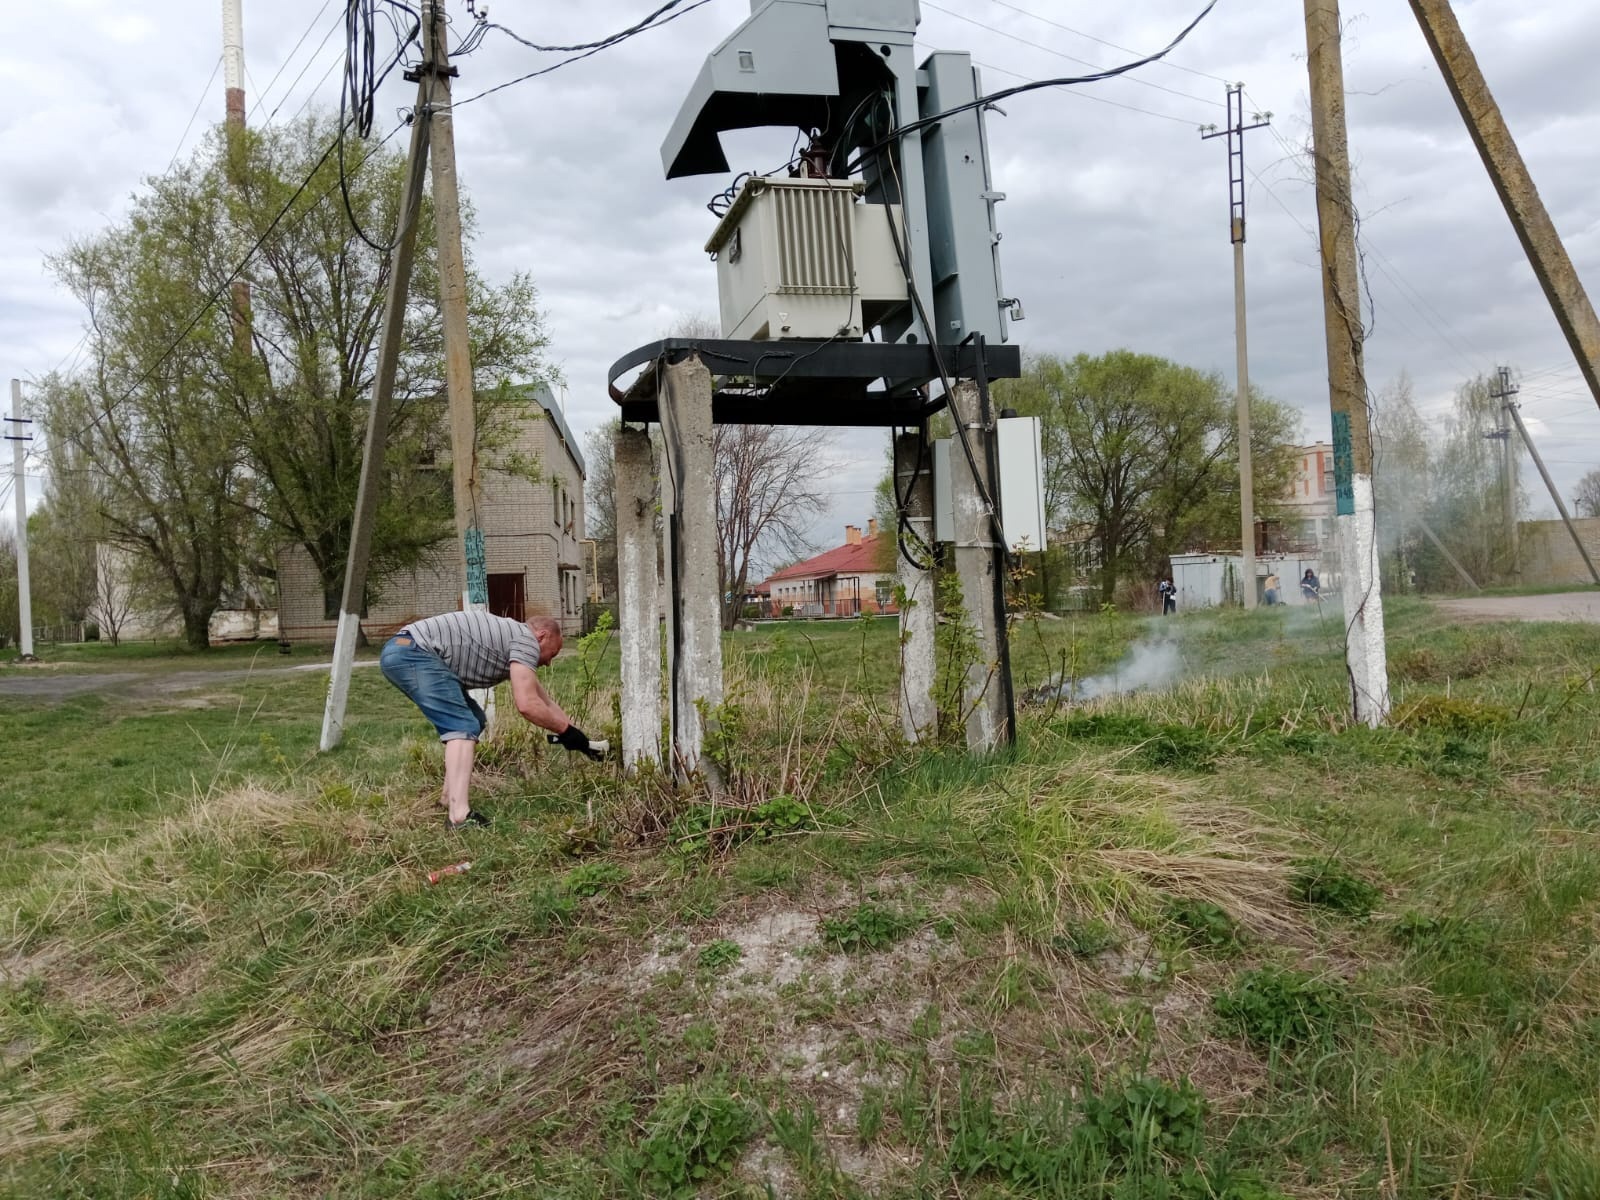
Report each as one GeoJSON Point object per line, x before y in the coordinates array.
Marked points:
{"type": "Point", "coordinates": [53, 685]}
{"type": "Point", "coordinates": [1558, 606]}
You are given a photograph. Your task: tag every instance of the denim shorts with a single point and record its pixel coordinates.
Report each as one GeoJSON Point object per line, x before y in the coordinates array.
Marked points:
{"type": "Point", "coordinates": [432, 687]}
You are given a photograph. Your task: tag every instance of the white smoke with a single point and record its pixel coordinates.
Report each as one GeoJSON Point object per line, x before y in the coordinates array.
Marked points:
{"type": "Point", "coordinates": [1148, 666]}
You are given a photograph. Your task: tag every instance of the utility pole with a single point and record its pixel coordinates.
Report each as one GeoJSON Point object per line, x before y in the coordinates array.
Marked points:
{"type": "Point", "coordinates": [19, 439]}
{"type": "Point", "coordinates": [453, 303]}
{"type": "Point", "coordinates": [1236, 191]}
{"type": "Point", "coordinates": [372, 472]}
{"type": "Point", "coordinates": [1508, 467]}
{"type": "Point", "coordinates": [1359, 585]}
{"type": "Point", "coordinates": [1514, 184]}
{"type": "Point", "coordinates": [1508, 390]}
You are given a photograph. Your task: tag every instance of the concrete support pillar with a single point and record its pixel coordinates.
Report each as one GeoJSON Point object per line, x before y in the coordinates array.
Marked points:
{"type": "Point", "coordinates": [913, 480]}
{"type": "Point", "coordinates": [695, 626]}
{"type": "Point", "coordinates": [987, 701]}
{"type": "Point", "coordinates": [637, 598]}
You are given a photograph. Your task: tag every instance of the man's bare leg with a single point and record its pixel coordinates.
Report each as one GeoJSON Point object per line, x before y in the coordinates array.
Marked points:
{"type": "Point", "coordinates": [458, 754]}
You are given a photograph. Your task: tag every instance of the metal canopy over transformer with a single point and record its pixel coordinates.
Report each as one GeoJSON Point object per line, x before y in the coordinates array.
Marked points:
{"type": "Point", "coordinates": [846, 68]}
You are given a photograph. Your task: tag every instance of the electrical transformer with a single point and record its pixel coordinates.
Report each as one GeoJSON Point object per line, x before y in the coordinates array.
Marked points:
{"type": "Point", "coordinates": [804, 258]}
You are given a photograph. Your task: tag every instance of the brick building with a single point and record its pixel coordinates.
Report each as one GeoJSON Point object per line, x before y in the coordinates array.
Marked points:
{"type": "Point", "coordinates": [1307, 510]}
{"type": "Point", "coordinates": [532, 532]}
{"type": "Point", "coordinates": [846, 581]}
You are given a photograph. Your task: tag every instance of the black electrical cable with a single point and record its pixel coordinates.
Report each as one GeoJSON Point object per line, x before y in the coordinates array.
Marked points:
{"type": "Point", "coordinates": [610, 40]}
{"type": "Point", "coordinates": [1034, 85]}
{"type": "Point", "coordinates": [594, 48]}
{"type": "Point", "coordinates": [939, 363]}
{"type": "Point", "coordinates": [359, 45]}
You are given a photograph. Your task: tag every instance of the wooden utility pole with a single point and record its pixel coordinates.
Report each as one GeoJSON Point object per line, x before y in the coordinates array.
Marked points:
{"type": "Point", "coordinates": [1365, 656]}
{"type": "Point", "coordinates": [453, 304]}
{"type": "Point", "coordinates": [19, 438]}
{"type": "Point", "coordinates": [372, 465]}
{"type": "Point", "coordinates": [1509, 173]}
{"type": "Point", "coordinates": [1506, 391]}
{"type": "Point", "coordinates": [1236, 194]}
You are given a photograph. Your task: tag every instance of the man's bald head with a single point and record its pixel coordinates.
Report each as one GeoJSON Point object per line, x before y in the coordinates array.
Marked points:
{"type": "Point", "coordinates": [547, 632]}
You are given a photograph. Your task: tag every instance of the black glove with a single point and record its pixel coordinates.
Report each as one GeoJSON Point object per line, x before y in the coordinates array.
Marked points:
{"type": "Point", "coordinates": [573, 738]}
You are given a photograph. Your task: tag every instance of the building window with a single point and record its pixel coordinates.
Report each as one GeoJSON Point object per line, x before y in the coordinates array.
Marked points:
{"type": "Point", "coordinates": [555, 501]}
{"type": "Point", "coordinates": [1327, 483]}
{"type": "Point", "coordinates": [885, 593]}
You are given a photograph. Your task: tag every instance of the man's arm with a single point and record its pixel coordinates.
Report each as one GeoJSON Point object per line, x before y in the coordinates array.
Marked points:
{"type": "Point", "coordinates": [533, 702]}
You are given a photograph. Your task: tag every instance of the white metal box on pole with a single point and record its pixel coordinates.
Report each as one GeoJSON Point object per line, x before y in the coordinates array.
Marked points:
{"type": "Point", "coordinates": [1020, 446]}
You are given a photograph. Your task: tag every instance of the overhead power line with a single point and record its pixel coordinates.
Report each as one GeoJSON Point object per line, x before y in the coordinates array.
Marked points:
{"type": "Point", "coordinates": [289, 58]}
{"type": "Point", "coordinates": [223, 287]}
{"type": "Point", "coordinates": [198, 104]}
{"type": "Point", "coordinates": [1149, 112]}
{"type": "Point", "coordinates": [1102, 41]}
{"type": "Point", "coordinates": [910, 127]}
{"type": "Point", "coordinates": [1083, 62]}
{"type": "Point", "coordinates": [667, 14]}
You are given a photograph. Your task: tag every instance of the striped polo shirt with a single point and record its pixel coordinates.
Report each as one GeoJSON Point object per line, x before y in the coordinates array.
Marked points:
{"type": "Point", "coordinates": [478, 648]}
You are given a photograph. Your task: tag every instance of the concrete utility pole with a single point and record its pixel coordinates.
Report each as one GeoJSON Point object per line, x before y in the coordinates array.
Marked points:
{"type": "Point", "coordinates": [913, 485]}
{"type": "Point", "coordinates": [19, 440]}
{"type": "Point", "coordinates": [1509, 173]}
{"type": "Point", "coordinates": [988, 704]}
{"type": "Point", "coordinates": [1508, 467]}
{"type": "Point", "coordinates": [1508, 390]}
{"type": "Point", "coordinates": [372, 473]}
{"type": "Point", "coordinates": [453, 304]}
{"type": "Point", "coordinates": [1365, 656]}
{"type": "Point", "coordinates": [638, 601]}
{"type": "Point", "coordinates": [1235, 134]}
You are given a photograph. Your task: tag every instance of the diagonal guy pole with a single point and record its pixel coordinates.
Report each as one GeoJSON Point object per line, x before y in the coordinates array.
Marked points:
{"type": "Point", "coordinates": [394, 312]}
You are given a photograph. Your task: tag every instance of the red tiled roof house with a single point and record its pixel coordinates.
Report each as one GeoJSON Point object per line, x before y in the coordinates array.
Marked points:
{"type": "Point", "coordinates": [846, 581]}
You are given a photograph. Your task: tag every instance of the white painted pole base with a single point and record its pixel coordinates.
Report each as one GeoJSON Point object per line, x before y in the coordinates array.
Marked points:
{"type": "Point", "coordinates": [344, 655]}
{"type": "Point", "coordinates": [1365, 654]}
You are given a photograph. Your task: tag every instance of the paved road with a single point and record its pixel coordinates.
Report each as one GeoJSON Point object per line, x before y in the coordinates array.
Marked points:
{"type": "Point", "coordinates": [1557, 606]}
{"type": "Point", "coordinates": [53, 684]}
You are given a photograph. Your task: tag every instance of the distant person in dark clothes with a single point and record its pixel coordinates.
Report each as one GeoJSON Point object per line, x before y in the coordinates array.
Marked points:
{"type": "Point", "coordinates": [1309, 587]}
{"type": "Point", "coordinates": [1169, 596]}
{"type": "Point", "coordinates": [434, 661]}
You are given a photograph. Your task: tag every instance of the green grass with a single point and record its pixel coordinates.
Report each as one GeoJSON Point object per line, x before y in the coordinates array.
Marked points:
{"type": "Point", "coordinates": [1211, 942]}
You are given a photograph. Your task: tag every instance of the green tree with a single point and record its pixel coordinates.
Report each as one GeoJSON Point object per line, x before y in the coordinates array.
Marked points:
{"type": "Point", "coordinates": [1466, 498]}
{"type": "Point", "coordinates": [146, 414]}
{"type": "Point", "coordinates": [216, 445]}
{"type": "Point", "coordinates": [300, 397]}
{"type": "Point", "coordinates": [1402, 480]}
{"type": "Point", "coordinates": [1144, 452]}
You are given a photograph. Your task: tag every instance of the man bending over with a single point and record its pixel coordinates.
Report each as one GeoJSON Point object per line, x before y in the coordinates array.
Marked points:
{"type": "Point", "coordinates": [434, 661]}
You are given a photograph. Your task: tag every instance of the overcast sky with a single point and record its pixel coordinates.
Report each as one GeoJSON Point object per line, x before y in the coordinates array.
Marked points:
{"type": "Point", "coordinates": [1115, 225]}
